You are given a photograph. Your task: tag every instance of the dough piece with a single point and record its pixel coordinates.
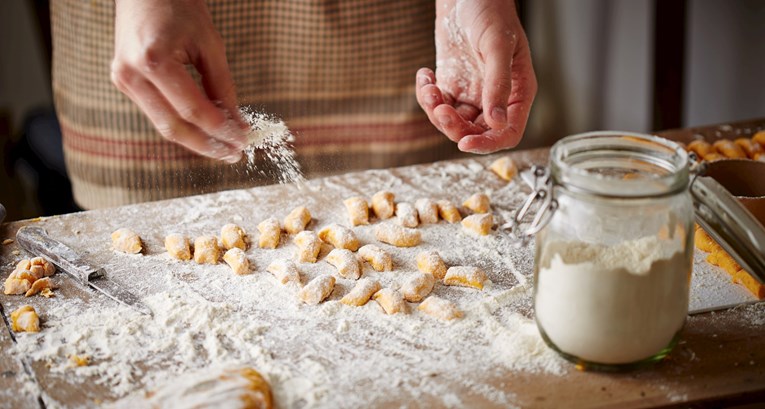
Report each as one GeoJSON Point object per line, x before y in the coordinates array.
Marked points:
{"type": "Point", "coordinates": [309, 245]}
{"type": "Point", "coordinates": [407, 215]}
{"type": "Point", "coordinates": [703, 241]}
{"type": "Point", "coordinates": [505, 168]}
{"type": "Point", "coordinates": [759, 137]}
{"type": "Point", "coordinates": [317, 290]}
{"type": "Point", "coordinates": [178, 246]}
{"type": "Point", "coordinates": [418, 287]}
{"type": "Point", "coordinates": [38, 286]}
{"type": "Point", "coordinates": [427, 210]}
{"type": "Point", "coordinates": [16, 286]}
{"type": "Point", "coordinates": [233, 236]}
{"type": "Point", "coordinates": [440, 308]}
{"type": "Point", "coordinates": [270, 233]}
{"type": "Point", "coordinates": [358, 210]}
{"type": "Point", "coordinates": [237, 260]}
{"type": "Point", "coordinates": [705, 151]}
{"type": "Point", "coordinates": [206, 250]}
{"type": "Point", "coordinates": [361, 293]}
{"type": "Point", "coordinates": [126, 241]}
{"type": "Point", "coordinates": [25, 319]}
{"type": "Point", "coordinates": [729, 149]}
{"type": "Point", "coordinates": [478, 203]}
{"type": "Point", "coordinates": [464, 276]}
{"type": "Point", "coordinates": [391, 301]}
{"type": "Point", "coordinates": [376, 257]}
{"type": "Point", "coordinates": [383, 205]}
{"type": "Point", "coordinates": [285, 271]}
{"type": "Point", "coordinates": [339, 236]}
{"type": "Point", "coordinates": [296, 221]}
{"type": "Point", "coordinates": [478, 224]}
{"type": "Point", "coordinates": [448, 211]}
{"type": "Point", "coordinates": [398, 236]}
{"type": "Point", "coordinates": [346, 263]}
{"type": "Point", "coordinates": [430, 262]}
{"type": "Point", "coordinates": [752, 149]}
{"type": "Point", "coordinates": [48, 268]}
{"type": "Point", "coordinates": [211, 387]}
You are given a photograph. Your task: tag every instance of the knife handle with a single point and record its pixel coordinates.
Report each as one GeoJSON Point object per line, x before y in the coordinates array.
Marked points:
{"type": "Point", "coordinates": [36, 241]}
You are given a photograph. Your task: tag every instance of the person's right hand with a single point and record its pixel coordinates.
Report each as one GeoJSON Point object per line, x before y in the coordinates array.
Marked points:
{"type": "Point", "coordinates": [154, 41]}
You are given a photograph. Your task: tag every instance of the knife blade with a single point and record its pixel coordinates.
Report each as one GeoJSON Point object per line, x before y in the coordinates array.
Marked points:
{"type": "Point", "coordinates": [36, 240]}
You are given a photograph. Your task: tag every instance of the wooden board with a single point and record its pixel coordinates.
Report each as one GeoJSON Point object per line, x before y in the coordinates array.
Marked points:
{"type": "Point", "coordinates": [719, 361]}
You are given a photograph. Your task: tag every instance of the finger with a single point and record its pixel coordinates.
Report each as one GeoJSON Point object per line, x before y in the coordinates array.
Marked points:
{"type": "Point", "coordinates": [489, 141]}
{"type": "Point", "coordinates": [218, 83]}
{"type": "Point", "coordinates": [172, 127]}
{"type": "Point", "coordinates": [498, 46]}
{"type": "Point", "coordinates": [468, 111]}
{"type": "Point", "coordinates": [454, 126]}
{"type": "Point", "coordinates": [177, 87]}
{"type": "Point", "coordinates": [429, 97]}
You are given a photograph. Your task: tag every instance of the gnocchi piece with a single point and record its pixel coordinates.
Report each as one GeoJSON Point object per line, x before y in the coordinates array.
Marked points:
{"type": "Point", "coordinates": [339, 236]}
{"type": "Point", "coordinates": [285, 271]}
{"type": "Point", "coordinates": [440, 308]}
{"type": "Point", "coordinates": [407, 215]}
{"type": "Point", "coordinates": [270, 233]}
{"type": "Point", "coordinates": [309, 245]}
{"type": "Point", "coordinates": [478, 224]}
{"type": "Point", "coordinates": [448, 211]}
{"type": "Point", "coordinates": [729, 149]}
{"type": "Point", "coordinates": [427, 210]}
{"type": "Point", "coordinates": [703, 241]}
{"type": "Point", "coordinates": [383, 205]}
{"type": "Point", "coordinates": [358, 210]}
{"type": "Point", "coordinates": [759, 137]}
{"type": "Point", "coordinates": [23, 265]}
{"type": "Point", "coordinates": [418, 287]}
{"type": "Point", "coordinates": [237, 260]}
{"type": "Point", "coordinates": [700, 148]}
{"type": "Point", "coordinates": [465, 276]}
{"type": "Point", "coordinates": [296, 221]}
{"type": "Point", "coordinates": [317, 290]}
{"type": "Point", "coordinates": [233, 236]}
{"type": "Point", "coordinates": [206, 250]}
{"type": "Point", "coordinates": [478, 203]}
{"type": "Point", "coordinates": [126, 241]}
{"type": "Point", "coordinates": [28, 275]}
{"type": "Point", "coordinates": [376, 257]}
{"type": "Point", "coordinates": [16, 286]}
{"type": "Point", "coordinates": [25, 319]}
{"type": "Point", "coordinates": [38, 286]}
{"type": "Point", "coordinates": [751, 148]}
{"type": "Point", "coordinates": [398, 236]}
{"type": "Point", "coordinates": [361, 293]}
{"type": "Point", "coordinates": [505, 168]}
{"type": "Point", "coordinates": [178, 246]}
{"type": "Point", "coordinates": [430, 262]}
{"type": "Point", "coordinates": [345, 262]}
{"type": "Point", "coordinates": [48, 268]}
{"type": "Point", "coordinates": [391, 301]}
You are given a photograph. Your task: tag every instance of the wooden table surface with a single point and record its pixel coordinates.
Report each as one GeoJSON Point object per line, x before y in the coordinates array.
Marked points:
{"type": "Point", "coordinates": [720, 360]}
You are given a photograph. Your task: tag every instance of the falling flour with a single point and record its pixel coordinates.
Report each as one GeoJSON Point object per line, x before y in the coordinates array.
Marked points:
{"type": "Point", "coordinates": [270, 139]}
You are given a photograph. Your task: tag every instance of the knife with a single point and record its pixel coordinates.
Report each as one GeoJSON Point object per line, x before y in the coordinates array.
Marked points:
{"type": "Point", "coordinates": [36, 241]}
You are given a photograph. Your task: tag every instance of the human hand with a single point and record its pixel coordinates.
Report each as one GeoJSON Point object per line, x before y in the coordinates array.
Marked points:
{"type": "Point", "coordinates": [481, 93]}
{"type": "Point", "coordinates": [154, 41]}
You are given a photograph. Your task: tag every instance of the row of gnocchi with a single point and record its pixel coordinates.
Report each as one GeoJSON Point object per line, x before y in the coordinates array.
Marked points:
{"type": "Point", "coordinates": [424, 211]}
{"type": "Point", "coordinates": [414, 290]}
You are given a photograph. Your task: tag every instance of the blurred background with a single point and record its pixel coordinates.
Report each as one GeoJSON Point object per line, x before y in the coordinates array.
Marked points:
{"type": "Point", "coordinates": [637, 65]}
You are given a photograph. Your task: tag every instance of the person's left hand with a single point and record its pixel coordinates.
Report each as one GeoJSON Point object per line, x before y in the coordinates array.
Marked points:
{"type": "Point", "coordinates": [481, 93]}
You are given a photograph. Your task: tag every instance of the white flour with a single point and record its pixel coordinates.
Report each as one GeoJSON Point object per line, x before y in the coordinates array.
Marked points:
{"type": "Point", "coordinates": [613, 304]}
{"type": "Point", "coordinates": [269, 137]}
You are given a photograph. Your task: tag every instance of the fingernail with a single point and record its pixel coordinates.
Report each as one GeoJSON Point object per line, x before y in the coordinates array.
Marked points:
{"type": "Point", "coordinates": [423, 80]}
{"type": "Point", "coordinates": [444, 120]}
{"type": "Point", "coordinates": [498, 114]}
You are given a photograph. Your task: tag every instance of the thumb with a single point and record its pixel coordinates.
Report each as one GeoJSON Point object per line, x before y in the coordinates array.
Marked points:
{"type": "Point", "coordinates": [497, 47]}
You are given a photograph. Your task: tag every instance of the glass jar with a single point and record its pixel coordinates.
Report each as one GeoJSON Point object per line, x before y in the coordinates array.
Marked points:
{"type": "Point", "coordinates": [613, 263]}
